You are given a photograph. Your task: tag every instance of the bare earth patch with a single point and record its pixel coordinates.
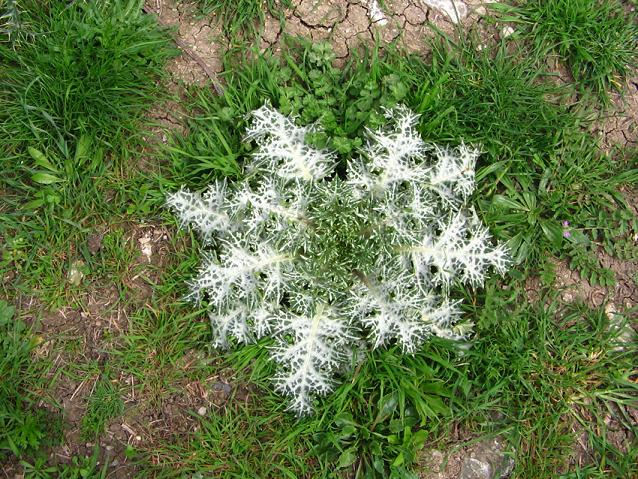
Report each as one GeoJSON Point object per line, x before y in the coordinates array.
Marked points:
{"type": "Point", "coordinates": [618, 127]}
{"type": "Point", "coordinates": [487, 459]}
{"type": "Point", "coordinates": [346, 24]}
{"type": "Point", "coordinates": [349, 24]}
{"type": "Point", "coordinates": [199, 39]}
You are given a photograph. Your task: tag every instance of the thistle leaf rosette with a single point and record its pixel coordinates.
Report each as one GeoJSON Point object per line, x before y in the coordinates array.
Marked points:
{"type": "Point", "coordinates": [323, 260]}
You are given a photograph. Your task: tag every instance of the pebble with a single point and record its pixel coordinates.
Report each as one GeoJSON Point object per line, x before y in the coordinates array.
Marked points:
{"type": "Point", "coordinates": [507, 31]}
{"type": "Point", "coordinates": [488, 460]}
{"type": "Point", "coordinates": [202, 411]}
{"type": "Point", "coordinates": [75, 273]}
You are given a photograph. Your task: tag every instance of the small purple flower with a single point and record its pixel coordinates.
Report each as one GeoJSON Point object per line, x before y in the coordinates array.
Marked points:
{"type": "Point", "coordinates": [566, 232]}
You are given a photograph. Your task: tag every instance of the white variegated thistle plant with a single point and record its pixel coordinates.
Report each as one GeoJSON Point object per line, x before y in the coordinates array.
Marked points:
{"type": "Point", "coordinates": [324, 257]}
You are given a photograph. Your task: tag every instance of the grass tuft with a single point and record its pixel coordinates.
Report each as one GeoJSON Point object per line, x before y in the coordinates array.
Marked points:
{"type": "Point", "coordinates": [104, 404]}
{"type": "Point", "coordinates": [596, 39]}
{"type": "Point", "coordinates": [90, 70]}
{"type": "Point", "coordinates": [241, 17]}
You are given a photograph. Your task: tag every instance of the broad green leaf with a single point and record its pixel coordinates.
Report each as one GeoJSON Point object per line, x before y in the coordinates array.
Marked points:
{"type": "Point", "coordinates": [82, 149]}
{"type": "Point", "coordinates": [505, 202]}
{"type": "Point", "coordinates": [393, 439]}
{"type": "Point", "coordinates": [344, 419]}
{"type": "Point", "coordinates": [377, 463]}
{"type": "Point", "coordinates": [45, 178]}
{"type": "Point", "coordinates": [553, 232]}
{"type": "Point", "coordinates": [578, 237]}
{"type": "Point", "coordinates": [41, 160]}
{"type": "Point", "coordinates": [396, 425]}
{"type": "Point", "coordinates": [399, 460]}
{"type": "Point", "coordinates": [497, 166]}
{"type": "Point", "coordinates": [347, 458]}
{"type": "Point", "coordinates": [6, 312]}
{"type": "Point", "coordinates": [34, 204]}
{"type": "Point", "coordinates": [387, 405]}
{"type": "Point", "coordinates": [419, 438]}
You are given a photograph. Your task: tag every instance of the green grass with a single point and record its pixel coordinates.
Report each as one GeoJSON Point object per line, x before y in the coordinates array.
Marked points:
{"type": "Point", "coordinates": [87, 70]}
{"type": "Point", "coordinates": [104, 404]}
{"type": "Point", "coordinates": [550, 372]}
{"type": "Point", "coordinates": [71, 99]}
{"type": "Point", "coordinates": [244, 19]}
{"type": "Point", "coordinates": [597, 40]}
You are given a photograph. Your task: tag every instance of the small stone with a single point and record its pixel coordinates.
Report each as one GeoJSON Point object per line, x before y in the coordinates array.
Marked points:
{"type": "Point", "coordinates": [202, 411]}
{"type": "Point", "coordinates": [507, 32]}
{"type": "Point", "coordinates": [475, 469]}
{"type": "Point", "coordinates": [219, 386]}
{"type": "Point", "coordinates": [146, 246]}
{"type": "Point", "coordinates": [138, 438]}
{"type": "Point", "coordinates": [94, 243]}
{"type": "Point", "coordinates": [220, 393]}
{"type": "Point", "coordinates": [619, 324]}
{"type": "Point", "coordinates": [456, 10]}
{"type": "Point", "coordinates": [489, 458]}
{"type": "Point", "coordinates": [75, 273]}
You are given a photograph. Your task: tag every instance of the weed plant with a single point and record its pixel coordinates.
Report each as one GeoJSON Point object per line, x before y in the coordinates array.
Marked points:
{"type": "Point", "coordinates": [542, 183]}
{"type": "Point", "coordinates": [596, 39]}
{"type": "Point", "coordinates": [339, 253]}
{"type": "Point", "coordinates": [539, 164]}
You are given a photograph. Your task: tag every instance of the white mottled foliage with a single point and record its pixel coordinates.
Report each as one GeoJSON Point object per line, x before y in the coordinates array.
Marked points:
{"type": "Point", "coordinates": [263, 277]}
